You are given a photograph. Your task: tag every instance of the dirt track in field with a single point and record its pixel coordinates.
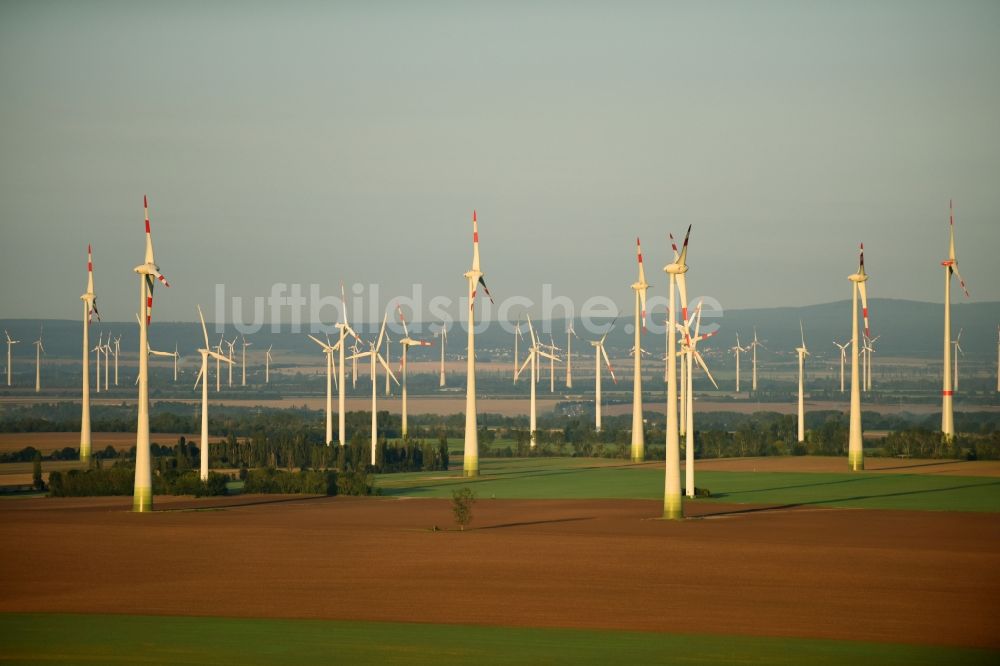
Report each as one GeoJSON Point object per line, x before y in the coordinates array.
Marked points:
{"type": "Point", "coordinates": [838, 464]}
{"type": "Point", "coordinates": [901, 576]}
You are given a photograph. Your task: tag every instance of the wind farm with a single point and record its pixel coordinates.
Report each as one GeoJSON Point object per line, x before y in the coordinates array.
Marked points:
{"type": "Point", "coordinates": [393, 462]}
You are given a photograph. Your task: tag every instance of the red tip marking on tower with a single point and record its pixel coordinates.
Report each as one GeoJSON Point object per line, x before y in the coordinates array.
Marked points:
{"type": "Point", "coordinates": [473, 214]}
{"type": "Point", "coordinates": [947, 393]}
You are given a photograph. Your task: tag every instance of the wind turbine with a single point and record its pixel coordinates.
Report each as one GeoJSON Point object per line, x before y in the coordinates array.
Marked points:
{"type": "Point", "coordinates": [231, 344]}
{"type": "Point", "coordinates": [106, 349]}
{"type": "Point", "coordinates": [97, 356]}
{"type": "Point", "coordinates": [691, 354]}
{"type": "Point", "coordinates": [753, 346]}
{"type": "Point", "coordinates": [218, 371]}
{"type": "Point", "coordinates": [673, 508]}
{"type": "Point", "coordinates": [39, 350]}
{"type": "Point", "coordinates": [998, 359]}
{"type": "Point", "coordinates": [355, 349]}
{"type": "Point", "coordinates": [855, 450]}
{"type": "Point", "coordinates": [267, 365]}
{"type": "Point", "coordinates": [570, 334]}
{"type": "Point", "coordinates": [870, 349]}
{"type": "Point", "coordinates": [802, 352]}
{"type": "Point", "coordinates": [388, 348]}
{"type": "Point", "coordinates": [406, 342]}
{"type": "Point", "coordinates": [534, 351]}
{"type": "Point", "coordinates": [328, 350]}
{"type": "Point", "coordinates": [947, 391]}
{"type": "Point", "coordinates": [517, 357]}
{"type": "Point", "coordinates": [118, 342]}
{"type": "Point", "coordinates": [958, 350]}
{"type": "Point", "coordinates": [166, 354]}
{"type": "Point", "coordinates": [737, 350]}
{"type": "Point", "coordinates": [243, 362]}
{"type": "Point", "coordinates": [470, 464]}
{"type": "Point", "coordinates": [638, 428]}
{"type": "Point", "coordinates": [843, 359]}
{"type": "Point", "coordinates": [10, 342]}
{"type": "Point", "coordinates": [374, 355]}
{"type": "Point", "coordinates": [552, 363]}
{"type": "Point", "coordinates": [598, 353]}
{"type": "Point", "coordinates": [344, 329]}
{"type": "Point", "coordinates": [205, 352]}
{"type": "Point", "coordinates": [443, 333]}
{"type": "Point", "coordinates": [89, 310]}
{"type": "Point", "coordinates": [149, 272]}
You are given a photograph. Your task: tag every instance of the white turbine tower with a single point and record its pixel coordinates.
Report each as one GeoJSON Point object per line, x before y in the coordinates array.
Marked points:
{"type": "Point", "coordinates": [39, 350]}
{"type": "Point", "coordinates": [10, 343]}
{"type": "Point", "coordinates": [355, 350]}
{"type": "Point", "coordinates": [947, 391]}
{"type": "Point", "coordinates": [243, 362]}
{"type": "Point", "coordinates": [843, 360]}
{"type": "Point", "coordinates": [205, 352]}
{"type": "Point", "coordinates": [328, 350]}
{"type": "Point", "coordinates": [267, 365]}
{"type": "Point", "coordinates": [89, 310]}
{"type": "Point", "coordinates": [958, 350]}
{"type": "Point", "coordinates": [218, 372]}
{"type": "Point", "coordinates": [534, 351]}
{"type": "Point", "coordinates": [638, 428]}
{"type": "Point", "coordinates": [802, 353]}
{"type": "Point", "coordinates": [231, 344]}
{"type": "Point", "coordinates": [470, 464]}
{"type": "Point", "coordinates": [388, 348]}
{"type": "Point", "coordinates": [344, 329]}
{"type": "Point", "coordinates": [106, 349]}
{"type": "Point", "coordinates": [570, 334]}
{"type": "Point", "coordinates": [598, 354]}
{"type": "Point", "coordinates": [753, 347]}
{"type": "Point", "coordinates": [118, 343]}
{"type": "Point", "coordinates": [97, 359]}
{"type": "Point", "coordinates": [737, 350]}
{"type": "Point", "coordinates": [673, 509]}
{"type": "Point", "coordinates": [517, 356]}
{"type": "Point", "coordinates": [870, 349]}
{"type": "Point", "coordinates": [406, 342]}
{"type": "Point", "coordinates": [375, 356]}
{"type": "Point", "coordinates": [855, 450]}
{"type": "Point", "coordinates": [865, 348]}
{"type": "Point", "coordinates": [690, 352]}
{"type": "Point", "coordinates": [149, 272]}
{"type": "Point", "coordinates": [443, 334]}
{"type": "Point", "coordinates": [552, 363]}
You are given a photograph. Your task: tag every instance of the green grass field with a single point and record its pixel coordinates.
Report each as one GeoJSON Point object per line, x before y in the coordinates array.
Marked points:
{"type": "Point", "coordinates": [106, 639]}
{"type": "Point", "coordinates": [582, 478]}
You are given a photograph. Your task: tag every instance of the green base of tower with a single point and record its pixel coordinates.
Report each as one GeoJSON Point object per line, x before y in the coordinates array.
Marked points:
{"type": "Point", "coordinates": [142, 500]}
{"type": "Point", "coordinates": [673, 508]}
{"type": "Point", "coordinates": [856, 461]}
{"type": "Point", "coordinates": [470, 472]}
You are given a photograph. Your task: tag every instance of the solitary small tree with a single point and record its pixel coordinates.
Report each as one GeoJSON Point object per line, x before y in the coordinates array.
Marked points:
{"type": "Point", "coordinates": [36, 472]}
{"type": "Point", "coordinates": [461, 505]}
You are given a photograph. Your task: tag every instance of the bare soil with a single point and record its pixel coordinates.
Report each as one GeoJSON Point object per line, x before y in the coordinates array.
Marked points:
{"type": "Point", "coordinates": [901, 576]}
{"type": "Point", "coordinates": [46, 442]}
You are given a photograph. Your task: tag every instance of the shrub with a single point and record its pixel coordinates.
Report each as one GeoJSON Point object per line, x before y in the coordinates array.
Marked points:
{"type": "Point", "coordinates": [274, 481]}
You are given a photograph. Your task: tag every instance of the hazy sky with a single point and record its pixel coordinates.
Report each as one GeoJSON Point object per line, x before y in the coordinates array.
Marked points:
{"type": "Point", "coordinates": [318, 142]}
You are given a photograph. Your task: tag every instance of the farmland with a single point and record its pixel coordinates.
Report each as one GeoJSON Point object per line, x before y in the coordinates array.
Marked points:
{"type": "Point", "coordinates": [774, 565]}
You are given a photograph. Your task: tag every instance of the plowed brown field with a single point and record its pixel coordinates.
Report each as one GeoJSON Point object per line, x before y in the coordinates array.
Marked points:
{"type": "Point", "coordinates": [920, 577]}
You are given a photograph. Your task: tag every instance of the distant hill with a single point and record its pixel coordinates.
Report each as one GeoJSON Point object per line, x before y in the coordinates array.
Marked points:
{"type": "Point", "coordinates": [906, 328]}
